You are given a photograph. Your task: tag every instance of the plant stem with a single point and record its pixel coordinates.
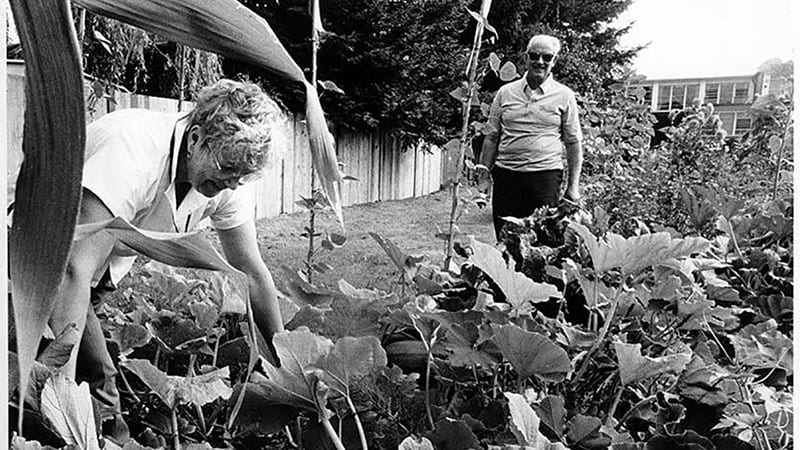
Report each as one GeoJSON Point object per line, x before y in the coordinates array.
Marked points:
{"type": "Point", "coordinates": [472, 69]}
{"type": "Point", "coordinates": [129, 387]}
{"type": "Point", "coordinates": [614, 405]}
{"type": "Point", "coordinates": [312, 216]}
{"type": "Point", "coordinates": [176, 436]}
{"type": "Point", "coordinates": [361, 435]}
{"type": "Point", "coordinates": [606, 326]}
{"type": "Point", "coordinates": [216, 352]}
{"type": "Point", "coordinates": [312, 211]}
{"type": "Point", "coordinates": [645, 401]}
{"type": "Point", "coordinates": [199, 409]}
{"type": "Point", "coordinates": [428, 388]}
{"type": "Point", "coordinates": [326, 423]}
{"type": "Point", "coordinates": [494, 382]}
{"type": "Point", "coordinates": [182, 75]}
{"type": "Point", "coordinates": [299, 428]}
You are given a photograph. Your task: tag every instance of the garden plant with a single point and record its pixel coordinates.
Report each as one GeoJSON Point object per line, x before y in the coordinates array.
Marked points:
{"type": "Point", "coordinates": [656, 316]}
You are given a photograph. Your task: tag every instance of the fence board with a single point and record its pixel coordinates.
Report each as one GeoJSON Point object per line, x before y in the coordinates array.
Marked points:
{"type": "Point", "coordinates": [346, 158]}
{"type": "Point", "coordinates": [364, 168]}
{"type": "Point", "coordinates": [405, 172]}
{"type": "Point", "coordinates": [302, 164]}
{"type": "Point", "coordinates": [375, 162]}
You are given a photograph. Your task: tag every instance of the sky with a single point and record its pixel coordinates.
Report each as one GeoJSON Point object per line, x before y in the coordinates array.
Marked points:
{"type": "Point", "coordinates": [699, 38]}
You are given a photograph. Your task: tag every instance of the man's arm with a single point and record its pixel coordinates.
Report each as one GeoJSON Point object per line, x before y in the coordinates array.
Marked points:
{"type": "Point", "coordinates": [241, 250]}
{"type": "Point", "coordinates": [574, 165]}
{"type": "Point", "coordinates": [489, 149]}
{"type": "Point", "coordinates": [490, 143]}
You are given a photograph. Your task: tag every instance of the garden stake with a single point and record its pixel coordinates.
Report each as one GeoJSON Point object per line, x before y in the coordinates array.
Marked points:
{"type": "Point", "coordinates": [472, 68]}
{"type": "Point", "coordinates": [312, 213]}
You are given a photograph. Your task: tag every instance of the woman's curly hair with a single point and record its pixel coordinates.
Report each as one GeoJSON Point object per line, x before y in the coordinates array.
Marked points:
{"type": "Point", "coordinates": [241, 124]}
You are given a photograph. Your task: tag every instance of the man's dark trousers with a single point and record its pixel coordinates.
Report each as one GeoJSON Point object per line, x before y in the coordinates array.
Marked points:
{"type": "Point", "coordinates": [518, 194]}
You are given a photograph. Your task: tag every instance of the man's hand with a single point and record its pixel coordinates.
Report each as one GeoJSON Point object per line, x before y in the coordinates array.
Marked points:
{"type": "Point", "coordinates": [573, 194]}
{"type": "Point", "coordinates": [484, 177]}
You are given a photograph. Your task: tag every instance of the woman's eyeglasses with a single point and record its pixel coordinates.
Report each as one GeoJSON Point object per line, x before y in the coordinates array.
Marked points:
{"type": "Point", "coordinates": [230, 173]}
{"type": "Point", "coordinates": [546, 57]}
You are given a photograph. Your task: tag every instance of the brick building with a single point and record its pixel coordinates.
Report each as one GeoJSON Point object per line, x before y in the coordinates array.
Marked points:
{"type": "Point", "coordinates": [731, 95]}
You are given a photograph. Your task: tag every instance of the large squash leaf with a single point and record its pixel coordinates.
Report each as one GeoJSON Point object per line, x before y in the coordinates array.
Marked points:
{"type": "Point", "coordinates": [520, 291]}
{"type": "Point", "coordinates": [531, 353]}
{"type": "Point", "coordinates": [69, 408]}
{"type": "Point", "coordinates": [174, 390]}
{"type": "Point", "coordinates": [227, 27]}
{"type": "Point", "coordinates": [638, 252]}
{"type": "Point", "coordinates": [524, 423]}
{"type": "Point", "coordinates": [634, 367]}
{"type": "Point", "coordinates": [352, 359]}
{"type": "Point", "coordinates": [48, 187]}
{"type": "Point", "coordinates": [295, 382]}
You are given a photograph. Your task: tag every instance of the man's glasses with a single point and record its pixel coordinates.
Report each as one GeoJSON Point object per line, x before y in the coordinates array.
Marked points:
{"type": "Point", "coordinates": [230, 173]}
{"type": "Point", "coordinates": [546, 57]}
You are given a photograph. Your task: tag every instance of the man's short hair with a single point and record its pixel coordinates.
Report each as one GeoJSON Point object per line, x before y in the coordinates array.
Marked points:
{"type": "Point", "coordinates": [545, 39]}
{"type": "Point", "coordinates": [240, 123]}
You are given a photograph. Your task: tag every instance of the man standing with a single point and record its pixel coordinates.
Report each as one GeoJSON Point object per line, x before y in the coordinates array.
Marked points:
{"type": "Point", "coordinates": [530, 122]}
{"type": "Point", "coordinates": [167, 172]}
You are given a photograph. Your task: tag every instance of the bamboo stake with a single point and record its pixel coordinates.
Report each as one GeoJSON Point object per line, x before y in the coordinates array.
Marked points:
{"type": "Point", "coordinates": [472, 69]}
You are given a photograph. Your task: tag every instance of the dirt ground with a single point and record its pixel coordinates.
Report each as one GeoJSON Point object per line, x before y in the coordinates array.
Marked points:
{"type": "Point", "coordinates": [410, 224]}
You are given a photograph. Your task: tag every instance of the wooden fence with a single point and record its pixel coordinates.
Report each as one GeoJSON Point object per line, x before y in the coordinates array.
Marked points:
{"type": "Point", "coordinates": [384, 170]}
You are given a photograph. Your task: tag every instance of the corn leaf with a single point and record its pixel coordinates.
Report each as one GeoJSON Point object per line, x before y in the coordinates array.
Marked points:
{"type": "Point", "coordinates": [48, 188]}
{"type": "Point", "coordinates": [176, 249]}
{"type": "Point", "coordinates": [230, 29]}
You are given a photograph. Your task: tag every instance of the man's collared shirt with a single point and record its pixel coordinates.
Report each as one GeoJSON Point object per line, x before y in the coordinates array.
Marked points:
{"type": "Point", "coordinates": [533, 125]}
{"type": "Point", "coordinates": [131, 168]}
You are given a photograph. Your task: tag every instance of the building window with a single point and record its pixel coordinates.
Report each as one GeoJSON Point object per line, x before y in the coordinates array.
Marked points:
{"type": "Point", "coordinates": [712, 93]}
{"type": "Point", "coordinates": [678, 96]}
{"type": "Point", "coordinates": [740, 93]}
{"type": "Point", "coordinates": [692, 93]}
{"type": "Point", "coordinates": [664, 93]}
{"type": "Point", "coordinates": [743, 123]}
{"type": "Point", "coordinates": [726, 93]}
